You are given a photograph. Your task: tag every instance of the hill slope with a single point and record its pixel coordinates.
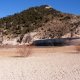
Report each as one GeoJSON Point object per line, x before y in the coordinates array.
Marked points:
{"type": "Point", "coordinates": [46, 21]}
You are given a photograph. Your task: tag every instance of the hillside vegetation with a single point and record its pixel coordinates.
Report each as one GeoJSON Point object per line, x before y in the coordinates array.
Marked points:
{"type": "Point", "coordinates": [48, 22]}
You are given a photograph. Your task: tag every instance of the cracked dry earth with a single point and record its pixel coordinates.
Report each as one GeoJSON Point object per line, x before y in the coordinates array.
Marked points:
{"type": "Point", "coordinates": [57, 66]}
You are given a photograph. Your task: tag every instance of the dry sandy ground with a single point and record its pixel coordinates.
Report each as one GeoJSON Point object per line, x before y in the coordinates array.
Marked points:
{"type": "Point", "coordinates": [34, 51]}
{"type": "Point", "coordinates": [54, 65]}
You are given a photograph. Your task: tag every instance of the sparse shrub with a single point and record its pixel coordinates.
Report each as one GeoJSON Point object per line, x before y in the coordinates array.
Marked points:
{"type": "Point", "coordinates": [24, 51]}
{"type": "Point", "coordinates": [42, 29]}
{"type": "Point", "coordinates": [49, 29]}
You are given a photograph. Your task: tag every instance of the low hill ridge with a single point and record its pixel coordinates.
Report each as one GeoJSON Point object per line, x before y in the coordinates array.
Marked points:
{"type": "Point", "coordinates": [44, 20]}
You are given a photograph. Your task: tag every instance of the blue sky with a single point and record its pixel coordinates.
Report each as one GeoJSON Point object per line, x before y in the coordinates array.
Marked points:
{"type": "Point", "coordinates": [9, 7]}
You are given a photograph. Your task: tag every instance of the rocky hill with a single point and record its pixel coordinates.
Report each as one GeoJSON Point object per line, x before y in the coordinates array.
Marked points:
{"type": "Point", "coordinates": [44, 20]}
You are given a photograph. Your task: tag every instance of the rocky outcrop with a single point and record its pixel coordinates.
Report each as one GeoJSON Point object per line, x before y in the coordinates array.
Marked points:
{"type": "Point", "coordinates": [29, 37]}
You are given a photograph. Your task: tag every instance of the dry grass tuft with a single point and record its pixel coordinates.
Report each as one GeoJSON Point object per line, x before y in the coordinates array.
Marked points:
{"type": "Point", "coordinates": [24, 51]}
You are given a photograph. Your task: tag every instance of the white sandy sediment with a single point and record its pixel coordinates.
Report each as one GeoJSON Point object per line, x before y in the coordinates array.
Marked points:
{"type": "Point", "coordinates": [50, 67]}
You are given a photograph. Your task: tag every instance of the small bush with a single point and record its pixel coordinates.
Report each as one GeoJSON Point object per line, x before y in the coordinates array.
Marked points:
{"type": "Point", "coordinates": [24, 51]}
